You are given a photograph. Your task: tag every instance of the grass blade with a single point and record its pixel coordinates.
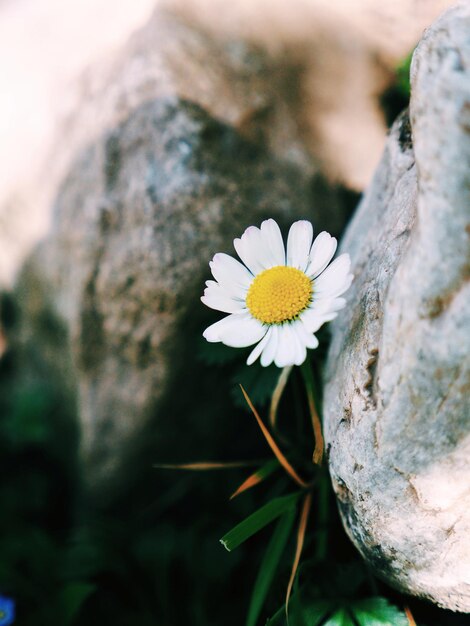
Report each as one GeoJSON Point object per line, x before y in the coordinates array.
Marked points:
{"type": "Point", "coordinates": [269, 565]}
{"type": "Point", "coordinates": [409, 616]}
{"type": "Point", "coordinates": [307, 503]}
{"type": "Point", "coordinates": [258, 520]}
{"type": "Point", "coordinates": [316, 422]}
{"type": "Point", "coordinates": [257, 477]}
{"type": "Point", "coordinates": [205, 465]}
{"type": "Point", "coordinates": [277, 394]}
{"type": "Point", "coordinates": [273, 445]}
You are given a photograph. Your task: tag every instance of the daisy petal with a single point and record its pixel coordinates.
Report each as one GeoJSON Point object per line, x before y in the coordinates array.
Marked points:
{"type": "Point", "coordinates": [307, 337]}
{"type": "Point", "coordinates": [313, 320]}
{"type": "Point", "coordinates": [299, 242]}
{"type": "Point", "coordinates": [300, 347]}
{"type": "Point", "coordinates": [230, 274]}
{"type": "Point", "coordinates": [269, 352]}
{"type": "Point", "coordinates": [286, 348]}
{"type": "Point", "coordinates": [271, 234]}
{"type": "Point", "coordinates": [325, 304]}
{"type": "Point", "coordinates": [252, 250]}
{"type": "Point", "coordinates": [216, 289]}
{"type": "Point", "coordinates": [218, 298]}
{"type": "Point", "coordinates": [223, 303]}
{"type": "Point", "coordinates": [237, 330]}
{"type": "Point", "coordinates": [335, 280]}
{"type": "Point", "coordinates": [322, 252]}
{"type": "Point", "coordinates": [259, 348]}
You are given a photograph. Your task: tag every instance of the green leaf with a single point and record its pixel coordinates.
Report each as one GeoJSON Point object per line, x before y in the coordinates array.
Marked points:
{"type": "Point", "coordinates": [315, 613]}
{"type": "Point", "coordinates": [257, 477]}
{"type": "Point", "coordinates": [268, 468]}
{"type": "Point", "coordinates": [403, 75]}
{"type": "Point", "coordinates": [378, 612]}
{"type": "Point", "coordinates": [258, 520]}
{"type": "Point", "coordinates": [340, 618]}
{"type": "Point", "coordinates": [312, 615]}
{"type": "Point", "coordinates": [368, 612]}
{"type": "Point", "coordinates": [73, 595]}
{"type": "Point", "coordinates": [269, 565]}
{"type": "Point", "coordinates": [279, 616]}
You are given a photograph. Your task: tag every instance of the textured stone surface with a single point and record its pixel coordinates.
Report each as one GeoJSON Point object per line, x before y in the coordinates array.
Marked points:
{"type": "Point", "coordinates": [136, 222]}
{"type": "Point", "coordinates": [397, 413]}
{"type": "Point", "coordinates": [178, 145]}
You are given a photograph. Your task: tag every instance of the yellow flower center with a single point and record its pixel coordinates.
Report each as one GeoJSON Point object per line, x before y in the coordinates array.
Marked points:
{"type": "Point", "coordinates": [279, 294]}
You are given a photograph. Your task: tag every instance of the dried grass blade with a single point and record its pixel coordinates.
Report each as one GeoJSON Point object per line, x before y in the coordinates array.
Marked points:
{"type": "Point", "coordinates": [273, 445]}
{"type": "Point", "coordinates": [307, 503]}
{"type": "Point", "coordinates": [317, 430]}
{"type": "Point", "coordinates": [205, 465]}
{"type": "Point", "coordinates": [277, 394]}
{"type": "Point", "coordinates": [409, 615]}
{"type": "Point", "coordinates": [316, 422]}
{"type": "Point", "coordinates": [256, 478]}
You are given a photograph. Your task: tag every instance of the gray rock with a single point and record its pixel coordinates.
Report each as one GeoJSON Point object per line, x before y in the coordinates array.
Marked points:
{"type": "Point", "coordinates": [178, 144]}
{"type": "Point", "coordinates": [139, 216]}
{"type": "Point", "coordinates": [397, 411]}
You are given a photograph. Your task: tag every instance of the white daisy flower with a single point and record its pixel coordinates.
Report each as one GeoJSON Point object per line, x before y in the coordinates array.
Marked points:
{"type": "Point", "coordinates": [276, 300]}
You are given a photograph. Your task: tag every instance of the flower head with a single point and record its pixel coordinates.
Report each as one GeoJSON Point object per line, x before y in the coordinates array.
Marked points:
{"type": "Point", "coordinates": [277, 298]}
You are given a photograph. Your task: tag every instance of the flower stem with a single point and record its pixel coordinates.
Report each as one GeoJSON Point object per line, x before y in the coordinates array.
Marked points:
{"type": "Point", "coordinates": [316, 422]}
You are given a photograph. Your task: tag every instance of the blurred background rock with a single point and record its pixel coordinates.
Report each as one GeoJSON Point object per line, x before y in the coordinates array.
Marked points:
{"type": "Point", "coordinates": [344, 53]}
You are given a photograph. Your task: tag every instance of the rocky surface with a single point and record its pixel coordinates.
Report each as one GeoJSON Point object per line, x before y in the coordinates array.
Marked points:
{"type": "Point", "coordinates": [397, 408]}
{"type": "Point", "coordinates": [178, 144]}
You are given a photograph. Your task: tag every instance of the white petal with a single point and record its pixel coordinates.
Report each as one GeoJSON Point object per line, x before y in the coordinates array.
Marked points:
{"type": "Point", "coordinates": [286, 348]}
{"type": "Point", "coordinates": [212, 332]}
{"type": "Point", "coordinates": [230, 274]}
{"type": "Point", "coordinates": [237, 330]}
{"type": "Point", "coordinates": [307, 337]}
{"type": "Point", "coordinates": [252, 250]}
{"type": "Point", "coordinates": [300, 347]}
{"type": "Point", "coordinates": [216, 289]}
{"type": "Point", "coordinates": [220, 299]}
{"type": "Point", "coordinates": [223, 303]}
{"type": "Point", "coordinates": [325, 304]}
{"type": "Point", "coordinates": [260, 347]}
{"type": "Point", "coordinates": [272, 237]}
{"type": "Point", "coordinates": [299, 242]}
{"type": "Point", "coordinates": [320, 311]}
{"type": "Point", "coordinates": [322, 252]}
{"type": "Point", "coordinates": [269, 352]}
{"type": "Point", "coordinates": [313, 320]}
{"type": "Point", "coordinates": [335, 280]}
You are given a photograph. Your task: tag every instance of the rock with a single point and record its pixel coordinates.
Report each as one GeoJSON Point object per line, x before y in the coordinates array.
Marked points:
{"type": "Point", "coordinates": [308, 81]}
{"type": "Point", "coordinates": [336, 62]}
{"type": "Point", "coordinates": [396, 402]}
{"type": "Point", "coordinates": [178, 145]}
